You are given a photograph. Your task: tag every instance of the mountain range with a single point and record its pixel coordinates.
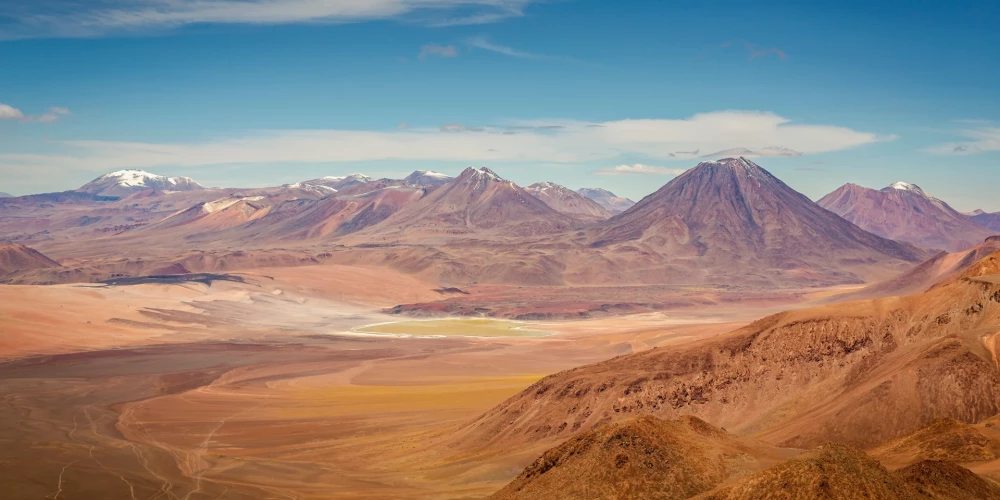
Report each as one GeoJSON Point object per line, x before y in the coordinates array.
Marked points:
{"type": "Point", "coordinates": [722, 222]}
{"type": "Point", "coordinates": [732, 214]}
{"type": "Point", "coordinates": [567, 201]}
{"type": "Point", "coordinates": [904, 212]}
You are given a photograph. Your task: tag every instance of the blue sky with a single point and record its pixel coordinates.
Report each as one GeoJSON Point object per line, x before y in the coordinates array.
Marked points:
{"type": "Point", "coordinates": [581, 92]}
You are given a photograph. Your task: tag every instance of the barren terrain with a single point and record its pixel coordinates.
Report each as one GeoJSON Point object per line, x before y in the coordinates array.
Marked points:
{"type": "Point", "coordinates": [260, 389]}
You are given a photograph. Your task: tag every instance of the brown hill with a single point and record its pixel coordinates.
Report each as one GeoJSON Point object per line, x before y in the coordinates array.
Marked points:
{"type": "Point", "coordinates": [860, 373]}
{"type": "Point", "coordinates": [642, 458]}
{"type": "Point", "coordinates": [567, 201]}
{"type": "Point", "coordinates": [943, 439]}
{"type": "Point", "coordinates": [904, 212]}
{"type": "Point", "coordinates": [942, 480]}
{"type": "Point", "coordinates": [474, 202]}
{"type": "Point", "coordinates": [732, 217]}
{"type": "Point", "coordinates": [832, 472]}
{"type": "Point", "coordinates": [307, 219]}
{"type": "Point", "coordinates": [215, 215]}
{"type": "Point", "coordinates": [17, 258]}
{"type": "Point", "coordinates": [930, 272]}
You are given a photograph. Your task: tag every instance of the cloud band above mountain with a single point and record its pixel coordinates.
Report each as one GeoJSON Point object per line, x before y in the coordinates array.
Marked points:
{"type": "Point", "coordinates": [550, 141]}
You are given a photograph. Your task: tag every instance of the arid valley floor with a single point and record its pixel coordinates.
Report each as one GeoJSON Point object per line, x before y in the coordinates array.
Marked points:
{"type": "Point", "coordinates": [261, 390]}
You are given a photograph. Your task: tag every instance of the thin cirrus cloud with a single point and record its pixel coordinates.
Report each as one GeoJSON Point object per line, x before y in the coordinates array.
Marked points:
{"type": "Point", "coordinates": [485, 44]}
{"type": "Point", "coordinates": [639, 169]}
{"type": "Point", "coordinates": [8, 112]}
{"type": "Point", "coordinates": [89, 18]}
{"type": "Point", "coordinates": [536, 141]}
{"type": "Point", "coordinates": [435, 50]}
{"type": "Point", "coordinates": [757, 52]}
{"type": "Point", "coordinates": [980, 140]}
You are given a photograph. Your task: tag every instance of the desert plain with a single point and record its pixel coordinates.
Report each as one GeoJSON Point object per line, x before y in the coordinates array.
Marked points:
{"type": "Point", "coordinates": [266, 388]}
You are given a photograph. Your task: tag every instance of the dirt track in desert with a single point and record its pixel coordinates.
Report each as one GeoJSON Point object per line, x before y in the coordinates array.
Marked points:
{"type": "Point", "coordinates": [261, 390]}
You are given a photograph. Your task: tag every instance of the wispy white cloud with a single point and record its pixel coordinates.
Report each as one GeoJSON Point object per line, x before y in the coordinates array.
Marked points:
{"type": "Point", "coordinates": [980, 140]}
{"type": "Point", "coordinates": [8, 112]}
{"type": "Point", "coordinates": [90, 18]}
{"type": "Point", "coordinates": [484, 44]}
{"type": "Point", "coordinates": [53, 114]}
{"type": "Point", "coordinates": [538, 141]}
{"type": "Point", "coordinates": [639, 169]}
{"type": "Point", "coordinates": [433, 49]}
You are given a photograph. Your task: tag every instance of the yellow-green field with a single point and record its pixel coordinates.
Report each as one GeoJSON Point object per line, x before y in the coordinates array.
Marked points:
{"type": "Point", "coordinates": [456, 328]}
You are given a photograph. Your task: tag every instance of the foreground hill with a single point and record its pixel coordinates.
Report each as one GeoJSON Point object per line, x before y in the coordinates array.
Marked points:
{"type": "Point", "coordinates": [930, 272]}
{"type": "Point", "coordinates": [943, 439]}
{"type": "Point", "coordinates": [567, 201]}
{"type": "Point", "coordinates": [125, 182]}
{"type": "Point", "coordinates": [943, 480]}
{"type": "Point", "coordinates": [835, 471]}
{"type": "Point", "coordinates": [648, 458]}
{"type": "Point", "coordinates": [642, 458]}
{"type": "Point", "coordinates": [904, 212]}
{"type": "Point", "coordinates": [860, 373]}
{"type": "Point", "coordinates": [732, 217]}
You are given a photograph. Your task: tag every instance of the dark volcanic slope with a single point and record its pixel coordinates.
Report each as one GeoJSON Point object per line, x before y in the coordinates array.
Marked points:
{"type": "Point", "coordinates": [732, 215]}
{"type": "Point", "coordinates": [643, 458]}
{"type": "Point", "coordinates": [859, 373]}
{"type": "Point", "coordinates": [904, 212]}
{"type": "Point", "coordinates": [567, 201]}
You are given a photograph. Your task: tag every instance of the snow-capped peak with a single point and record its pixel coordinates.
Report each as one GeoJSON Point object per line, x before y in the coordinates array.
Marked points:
{"type": "Point", "coordinates": [308, 186]}
{"type": "Point", "coordinates": [482, 173]}
{"type": "Point", "coordinates": [906, 186]}
{"type": "Point", "coordinates": [125, 182]}
{"type": "Point", "coordinates": [431, 173]}
{"type": "Point", "coordinates": [545, 186]}
{"type": "Point", "coordinates": [134, 177]}
{"type": "Point", "coordinates": [355, 177]}
{"type": "Point", "coordinates": [490, 174]}
{"type": "Point", "coordinates": [747, 163]}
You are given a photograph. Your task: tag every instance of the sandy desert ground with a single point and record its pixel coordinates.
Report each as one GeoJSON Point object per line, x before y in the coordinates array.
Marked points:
{"type": "Point", "coordinates": [262, 389]}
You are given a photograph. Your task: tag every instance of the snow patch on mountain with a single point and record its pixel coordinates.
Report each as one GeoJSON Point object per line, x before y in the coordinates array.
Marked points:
{"type": "Point", "coordinates": [125, 182]}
